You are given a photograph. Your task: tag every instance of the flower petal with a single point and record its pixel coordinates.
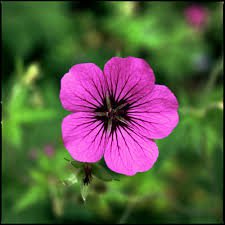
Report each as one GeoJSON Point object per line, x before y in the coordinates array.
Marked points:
{"type": "Point", "coordinates": [83, 137]}
{"type": "Point", "coordinates": [82, 88]}
{"type": "Point", "coordinates": [128, 78]}
{"type": "Point", "coordinates": [155, 116]}
{"type": "Point", "coordinates": [128, 153]}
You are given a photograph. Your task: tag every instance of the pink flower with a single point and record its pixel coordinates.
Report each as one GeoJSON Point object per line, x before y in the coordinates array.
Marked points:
{"type": "Point", "coordinates": [196, 16]}
{"type": "Point", "coordinates": [116, 113]}
{"type": "Point", "coordinates": [49, 150]}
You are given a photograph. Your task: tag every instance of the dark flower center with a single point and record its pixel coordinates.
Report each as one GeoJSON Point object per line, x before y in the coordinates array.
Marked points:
{"type": "Point", "coordinates": [112, 113]}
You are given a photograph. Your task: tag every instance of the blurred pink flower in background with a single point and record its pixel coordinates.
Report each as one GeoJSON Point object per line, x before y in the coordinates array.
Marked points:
{"type": "Point", "coordinates": [49, 150]}
{"type": "Point", "coordinates": [196, 16]}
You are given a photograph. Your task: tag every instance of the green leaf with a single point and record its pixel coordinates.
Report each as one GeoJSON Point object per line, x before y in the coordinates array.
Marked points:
{"type": "Point", "coordinates": [75, 164]}
{"type": "Point", "coordinates": [32, 196]}
{"type": "Point", "coordinates": [101, 173]}
{"type": "Point", "coordinates": [38, 176]}
{"type": "Point", "coordinates": [84, 191]}
{"type": "Point", "coordinates": [11, 128]}
{"type": "Point", "coordinates": [18, 98]}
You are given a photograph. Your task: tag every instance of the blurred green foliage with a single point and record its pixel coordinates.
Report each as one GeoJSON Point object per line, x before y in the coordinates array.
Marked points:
{"type": "Point", "coordinates": [40, 42]}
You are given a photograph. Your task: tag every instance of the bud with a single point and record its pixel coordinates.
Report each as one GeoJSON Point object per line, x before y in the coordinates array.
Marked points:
{"type": "Point", "coordinates": [31, 74]}
{"type": "Point", "coordinates": [87, 174]}
{"type": "Point", "coordinates": [84, 191]}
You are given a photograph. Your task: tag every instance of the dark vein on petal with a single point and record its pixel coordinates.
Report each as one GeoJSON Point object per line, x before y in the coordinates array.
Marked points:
{"type": "Point", "coordinates": [101, 97]}
{"type": "Point", "coordinates": [88, 124]}
{"type": "Point", "coordinates": [91, 95]}
{"type": "Point", "coordinates": [106, 80]}
{"type": "Point", "coordinates": [118, 150]}
{"type": "Point", "coordinates": [84, 100]}
{"type": "Point", "coordinates": [122, 89]}
{"type": "Point", "coordinates": [84, 106]}
{"type": "Point", "coordinates": [149, 101]}
{"type": "Point", "coordinates": [149, 112]}
{"type": "Point", "coordinates": [92, 130]}
{"type": "Point", "coordinates": [97, 134]}
{"type": "Point", "coordinates": [110, 78]}
{"type": "Point", "coordinates": [150, 121]}
{"type": "Point", "coordinates": [101, 138]}
{"type": "Point", "coordinates": [118, 75]}
{"type": "Point", "coordinates": [135, 93]}
{"type": "Point", "coordinates": [124, 128]}
{"type": "Point", "coordinates": [126, 143]}
{"type": "Point", "coordinates": [124, 97]}
{"type": "Point", "coordinates": [111, 142]}
{"type": "Point", "coordinates": [141, 136]}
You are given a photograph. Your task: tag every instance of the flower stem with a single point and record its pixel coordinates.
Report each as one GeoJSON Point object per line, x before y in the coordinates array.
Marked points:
{"type": "Point", "coordinates": [213, 76]}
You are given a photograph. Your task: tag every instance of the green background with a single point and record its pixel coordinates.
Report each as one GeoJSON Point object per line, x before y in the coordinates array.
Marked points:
{"type": "Point", "coordinates": [40, 42]}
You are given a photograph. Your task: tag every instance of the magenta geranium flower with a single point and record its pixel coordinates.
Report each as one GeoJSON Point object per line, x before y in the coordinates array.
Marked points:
{"type": "Point", "coordinates": [116, 113]}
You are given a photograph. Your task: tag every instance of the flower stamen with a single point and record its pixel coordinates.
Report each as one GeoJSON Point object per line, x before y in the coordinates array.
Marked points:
{"type": "Point", "coordinates": [109, 128]}
{"type": "Point", "coordinates": [108, 103]}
